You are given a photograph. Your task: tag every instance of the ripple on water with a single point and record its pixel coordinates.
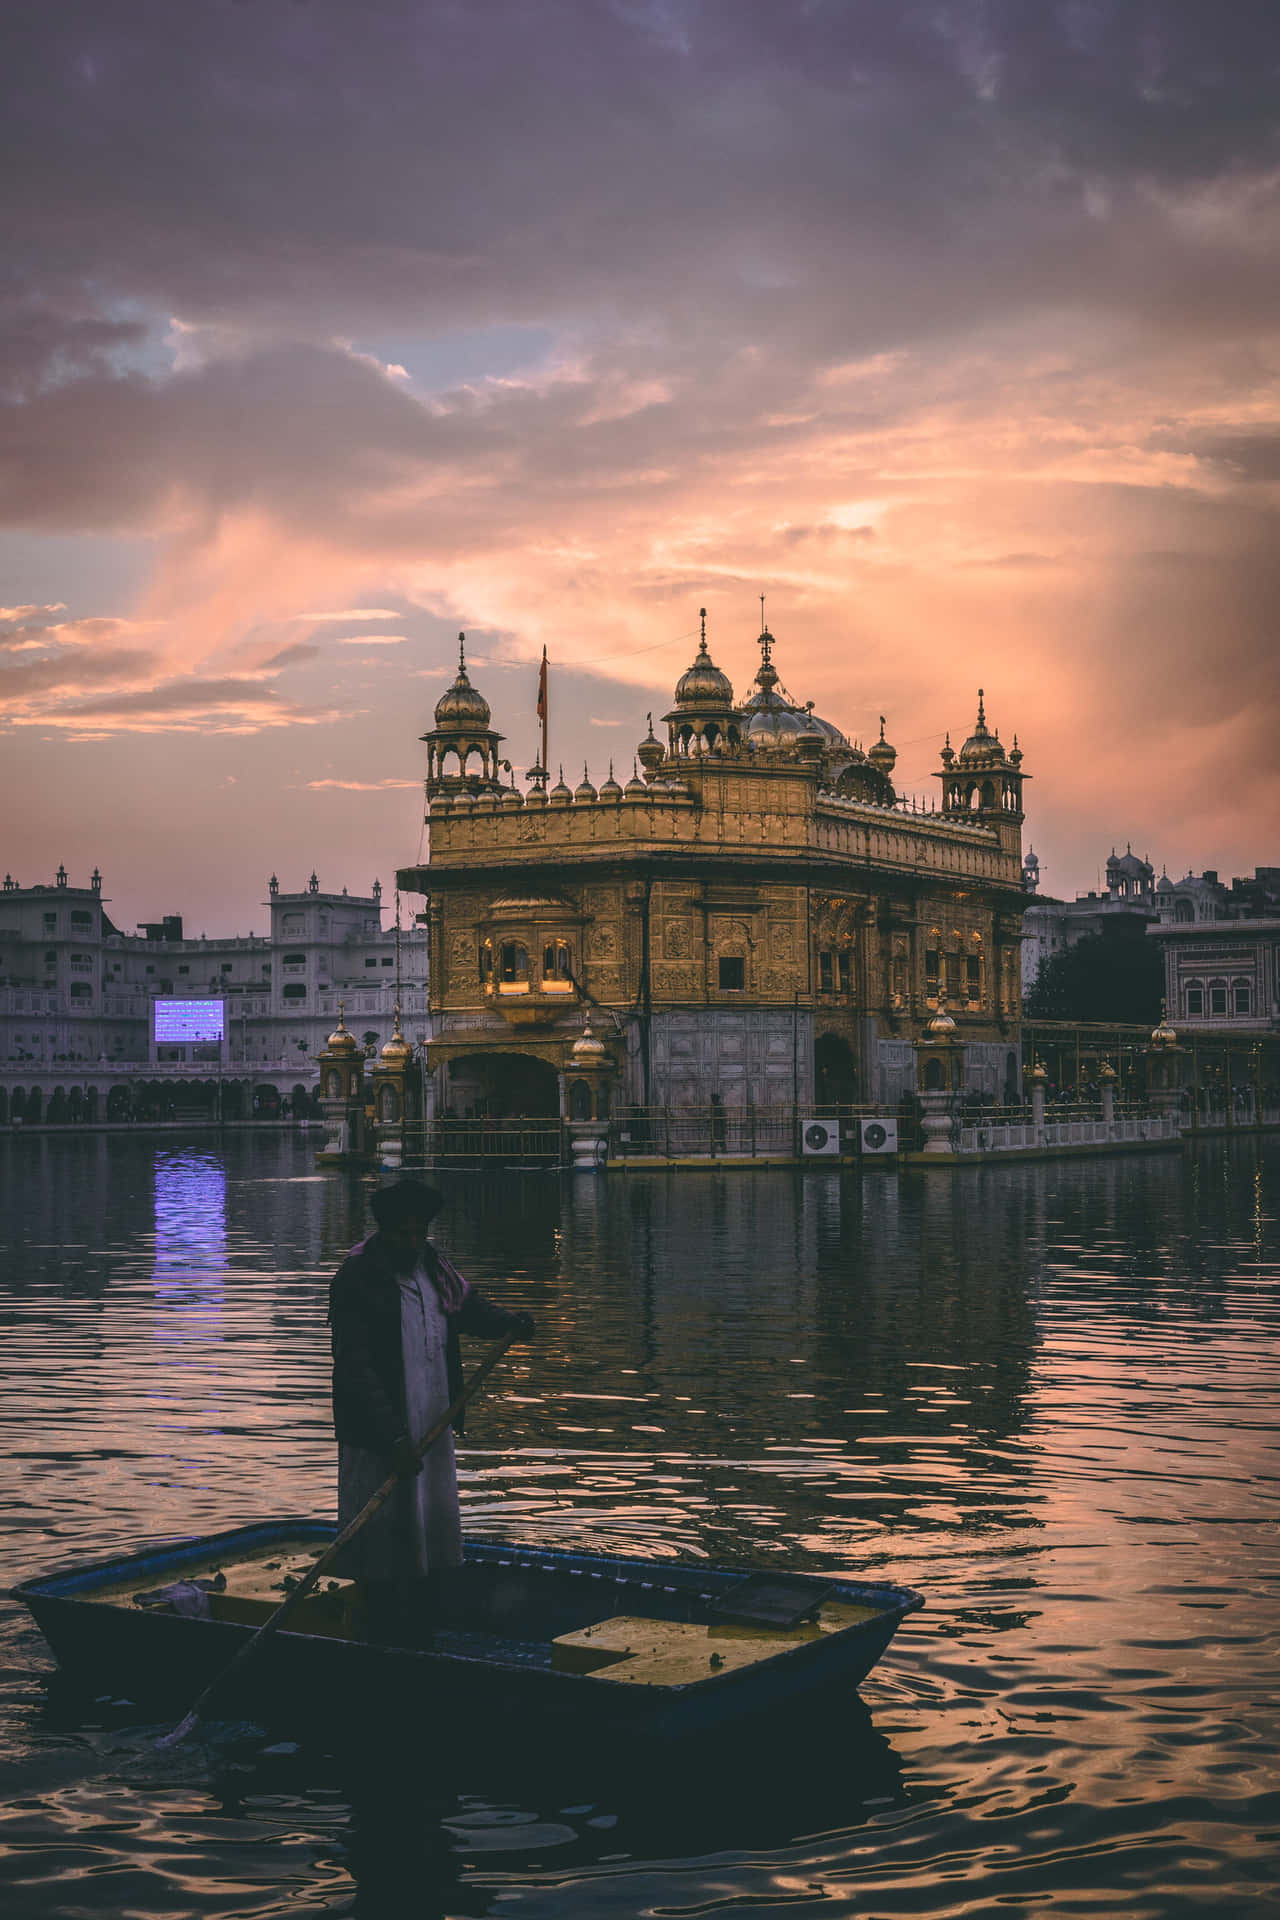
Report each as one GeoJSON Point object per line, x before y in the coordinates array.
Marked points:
{"type": "Point", "coordinates": [1044, 1395]}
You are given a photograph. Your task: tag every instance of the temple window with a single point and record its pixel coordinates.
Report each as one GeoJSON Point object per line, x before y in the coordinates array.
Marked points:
{"type": "Point", "coordinates": [733, 973]}
{"type": "Point", "coordinates": [294, 991]}
{"type": "Point", "coordinates": [1218, 997]}
{"type": "Point", "coordinates": [557, 967]}
{"type": "Point", "coordinates": [932, 972]}
{"type": "Point", "coordinates": [973, 978]}
{"type": "Point", "coordinates": [1195, 999]}
{"type": "Point", "coordinates": [486, 965]}
{"type": "Point", "coordinates": [826, 973]}
{"type": "Point", "coordinates": [579, 1101]}
{"type": "Point", "coordinates": [513, 967]}
{"type": "Point", "coordinates": [1243, 997]}
{"type": "Point", "coordinates": [844, 971]}
{"type": "Point", "coordinates": [953, 975]}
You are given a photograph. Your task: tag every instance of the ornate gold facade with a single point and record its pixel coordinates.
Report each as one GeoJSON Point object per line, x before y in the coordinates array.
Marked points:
{"type": "Point", "coordinates": [755, 917]}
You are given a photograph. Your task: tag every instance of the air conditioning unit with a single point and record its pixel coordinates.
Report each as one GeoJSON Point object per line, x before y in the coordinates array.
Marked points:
{"type": "Point", "coordinates": [878, 1136]}
{"type": "Point", "coordinates": [821, 1136]}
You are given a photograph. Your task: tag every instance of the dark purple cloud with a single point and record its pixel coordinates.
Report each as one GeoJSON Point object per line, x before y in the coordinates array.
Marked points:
{"type": "Point", "coordinates": [955, 321]}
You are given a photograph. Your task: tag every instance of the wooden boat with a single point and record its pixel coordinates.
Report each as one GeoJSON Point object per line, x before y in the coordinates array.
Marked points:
{"type": "Point", "coordinates": [567, 1639]}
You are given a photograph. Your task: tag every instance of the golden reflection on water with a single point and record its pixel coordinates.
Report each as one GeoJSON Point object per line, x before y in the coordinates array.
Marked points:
{"type": "Point", "coordinates": [1043, 1395]}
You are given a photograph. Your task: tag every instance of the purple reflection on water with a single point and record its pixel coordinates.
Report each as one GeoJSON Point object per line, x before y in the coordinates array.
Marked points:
{"type": "Point", "coordinates": [190, 1234]}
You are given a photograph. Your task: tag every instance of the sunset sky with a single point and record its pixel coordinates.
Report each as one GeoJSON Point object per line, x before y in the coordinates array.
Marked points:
{"type": "Point", "coordinates": [330, 329]}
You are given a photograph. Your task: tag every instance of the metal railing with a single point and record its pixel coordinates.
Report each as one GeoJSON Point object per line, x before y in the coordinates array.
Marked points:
{"type": "Point", "coordinates": [731, 1133]}
{"type": "Point", "coordinates": [485, 1142]}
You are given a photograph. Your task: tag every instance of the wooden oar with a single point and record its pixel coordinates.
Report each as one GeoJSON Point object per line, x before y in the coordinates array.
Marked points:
{"type": "Point", "coordinates": [306, 1585]}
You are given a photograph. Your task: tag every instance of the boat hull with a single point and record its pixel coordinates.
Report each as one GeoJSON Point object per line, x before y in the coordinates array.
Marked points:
{"type": "Point", "coordinates": [163, 1660]}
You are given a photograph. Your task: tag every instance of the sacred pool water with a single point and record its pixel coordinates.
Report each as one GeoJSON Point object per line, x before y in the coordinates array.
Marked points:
{"type": "Point", "coordinates": [1044, 1395]}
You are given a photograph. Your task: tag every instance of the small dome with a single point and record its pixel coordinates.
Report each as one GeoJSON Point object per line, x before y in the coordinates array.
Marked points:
{"type": "Point", "coordinates": [1129, 865]}
{"type": "Point", "coordinates": [560, 795]}
{"type": "Point", "coordinates": [942, 1027]}
{"type": "Point", "coordinates": [635, 785]}
{"type": "Point", "coordinates": [703, 684]}
{"type": "Point", "coordinates": [881, 754]}
{"type": "Point", "coordinates": [982, 745]}
{"type": "Point", "coordinates": [586, 1050]}
{"type": "Point", "coordinates": [611, 790]}
{"type": "Point", "coordinates": [460, 706]}
{"type": "Point", "coordinates": [1039, 1073]}
{"type": "Point", "coordinates": [340, 1041]}
{"type": "Point", "coordinates": [1164, 1035]}
{"type": "Point", "coordinates": [651, 751]}
{"type": "Point", "coordinates": [397, 1048]}
{"type": "Point", "coordinates": [1107, 1073]}
{"type": "Point", "coordinates": [584, 789]}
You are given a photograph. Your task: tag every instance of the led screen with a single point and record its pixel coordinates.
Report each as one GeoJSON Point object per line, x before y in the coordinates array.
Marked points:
{"type": "Point", "coordinates": [179, 1022]}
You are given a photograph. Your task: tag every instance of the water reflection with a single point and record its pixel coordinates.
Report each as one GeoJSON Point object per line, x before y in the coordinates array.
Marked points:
{"type": "Point", "coordinates": [1043, 1395]}
{"type": "Point", "coordinates": [190, 1201]}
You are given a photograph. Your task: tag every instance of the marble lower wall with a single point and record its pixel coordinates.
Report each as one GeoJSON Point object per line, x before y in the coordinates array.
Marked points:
{"type": "Point", "coordinates": [756, 1058]}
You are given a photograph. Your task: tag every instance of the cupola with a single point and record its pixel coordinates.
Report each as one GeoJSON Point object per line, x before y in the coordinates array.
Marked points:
{"type": "Point", "coordinates": [340, 1041]}
{"type": "Point", "coordinates": [651, 752]}
{"type": "Point", "coordinates": [462, 747]}
{"type": "Point", "coordinates": [703, 720]}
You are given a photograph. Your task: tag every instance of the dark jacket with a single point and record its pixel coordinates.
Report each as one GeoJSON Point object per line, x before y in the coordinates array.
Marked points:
{"type": "Point", "coordinates": [368, 1357]}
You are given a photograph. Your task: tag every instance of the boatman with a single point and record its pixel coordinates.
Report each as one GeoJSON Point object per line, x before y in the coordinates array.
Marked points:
{"type": "Point", "coordinates": [396, 1309]}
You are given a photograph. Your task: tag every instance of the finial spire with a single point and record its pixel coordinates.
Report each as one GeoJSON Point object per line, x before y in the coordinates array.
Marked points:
{"type": "Point", "coordinates": [982, 712]}
{"type": "Point", "coordinates": [342, 1008]}
{"type": "Point", "coordinates": [882, 726]}
{"type": "Point", "coordinates": [462, 653]}
{"type": "Point", "coordinates": [702, 615]}
{"type": "Point", "coordinates": [766, 638]}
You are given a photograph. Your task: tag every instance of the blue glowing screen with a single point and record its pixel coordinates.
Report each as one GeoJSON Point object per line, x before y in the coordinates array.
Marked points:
{"type": "Point", "coordinates": [183, 1021]}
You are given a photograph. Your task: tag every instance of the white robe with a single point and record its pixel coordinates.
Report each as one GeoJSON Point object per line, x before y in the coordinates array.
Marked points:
{"type": "Point", "coordinates": [419, 1529]}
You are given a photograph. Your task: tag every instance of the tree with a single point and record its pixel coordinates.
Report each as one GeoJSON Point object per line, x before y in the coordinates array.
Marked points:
{"type": "Point", "coordinates": [1117, 974]}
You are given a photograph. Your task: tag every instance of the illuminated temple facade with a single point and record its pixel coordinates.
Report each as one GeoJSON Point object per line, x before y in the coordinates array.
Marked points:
{"type": "Point", "coordinates": [756, 917]}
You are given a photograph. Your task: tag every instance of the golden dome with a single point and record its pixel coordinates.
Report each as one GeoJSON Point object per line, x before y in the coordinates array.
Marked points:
{"type": "Point", "coordinates": [340, 1041]}
{"type": "Point", "coordinates": [586, 1050]}
{"type": "Point", "coordinates": [880, 753]}
{"type": "Point", "coordinates": [397, 1049]}
{"type": "Point", "coordinates": [460, 706]}
{"type": "Point", "coordinates": [982, 748]}
{"type": "Point", "coordinates": [942, 1027]}
{"type": "Point", "coordinates": [703, 684]}
{"type": "Point", "coordinates": [1164, 1035]}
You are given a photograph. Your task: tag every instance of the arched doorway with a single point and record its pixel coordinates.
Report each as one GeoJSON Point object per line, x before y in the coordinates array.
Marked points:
{"type": "Point", "coordinates": [57, 1107]}
{"type": "Point", "coordinates": [835, 1071]}
{"type": "Point", "coordinates": [34, 1108]}
{"type": "Point", "coordinates": [503, 1086]}
{"type": "Point", "coordinates": [118, 1103]}
{"type": "Point", "coordinates": [4, 1107]}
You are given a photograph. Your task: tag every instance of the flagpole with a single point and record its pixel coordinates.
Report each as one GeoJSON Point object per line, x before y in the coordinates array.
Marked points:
{"type": "Point", "coordinates": [545, 750]}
